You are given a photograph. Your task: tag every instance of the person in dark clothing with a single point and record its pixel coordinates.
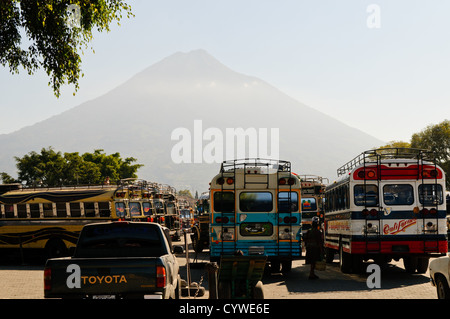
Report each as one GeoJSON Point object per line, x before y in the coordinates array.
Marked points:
{"type": "Point", "coordinates": [314, 246]}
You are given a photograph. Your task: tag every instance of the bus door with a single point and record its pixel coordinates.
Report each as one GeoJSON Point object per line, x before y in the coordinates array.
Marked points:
{"type": "Point", "coordinates": [256, 216]}
{"type": "Point", "coordinates": [366, 196]}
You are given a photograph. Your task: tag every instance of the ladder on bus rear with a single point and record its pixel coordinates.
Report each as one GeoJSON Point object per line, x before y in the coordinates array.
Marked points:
{"type": "Point", "coordinates": [256, 166]}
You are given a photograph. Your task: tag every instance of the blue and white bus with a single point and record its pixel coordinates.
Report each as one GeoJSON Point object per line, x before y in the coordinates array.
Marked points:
{"type": "Point", "coordinates": [255, 211]}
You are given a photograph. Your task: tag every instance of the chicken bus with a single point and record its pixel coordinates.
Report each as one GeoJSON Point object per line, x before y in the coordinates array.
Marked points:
{"type": "Point", "coordinates": [255, 211]}
{"type": "Point", "coordinates": [386, 204]}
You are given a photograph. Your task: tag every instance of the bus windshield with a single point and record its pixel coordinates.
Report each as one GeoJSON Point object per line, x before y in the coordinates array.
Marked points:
{"type": "Point", "coordinates": [255, 202]}
{"type": "Point", "coordinates": [287, 202]}
{"type": "Point", "coordinates": [398, 194]}
{"type": "Point", "coordinates": [431, 194]}
{"type": "Point", "coordinates": [224, 202]}
{"type": "Point", "coordinates": [366, 195]}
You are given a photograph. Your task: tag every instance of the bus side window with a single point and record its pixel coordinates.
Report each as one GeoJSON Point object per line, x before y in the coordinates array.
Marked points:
{"type": "Point", "coordinates": [104, 209]}
{"type": "Point", "coordinates": [75, 210]}
{"type": "Point", "coordinates": [61, 210]}
{"type": "Point", "coordinates": [35, 211]}
{"type": "Point", "coordinates": [22, 210]}
{"type": "Point", "coordinates": [89, 209]}
{"type": "Point", "coordinates": [9, 211]}
{"type": "Point", "coordinates": [48, 209]}
{"type": "Point", "coordinates": [224, 202]}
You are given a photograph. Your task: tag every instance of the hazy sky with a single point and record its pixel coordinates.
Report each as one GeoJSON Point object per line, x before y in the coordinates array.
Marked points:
{"type": "Point", "coordinates": [384, 71]}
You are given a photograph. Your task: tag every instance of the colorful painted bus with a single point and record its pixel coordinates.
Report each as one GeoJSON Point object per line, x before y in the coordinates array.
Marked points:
{"type": "Point", "coordinates": [312, 188]}
{"type": "Point", "coordinates": [255, 211]}
{"type": "Point", "coordinates": [51, 218]}
{"type": "Point", "coordinates": [387, 204]}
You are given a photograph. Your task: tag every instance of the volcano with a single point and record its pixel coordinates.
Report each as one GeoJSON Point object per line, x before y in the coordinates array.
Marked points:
{"type": "Point", "coordinates": [192, 94]}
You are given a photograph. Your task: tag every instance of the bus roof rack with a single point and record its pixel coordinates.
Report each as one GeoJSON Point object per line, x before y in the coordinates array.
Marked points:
{"type": "Point", "coordinates": [376, 155]}
{"type": "Point", "coordinates": [278, 165]}
{"type": "Point", "coordinates": [312, 178]}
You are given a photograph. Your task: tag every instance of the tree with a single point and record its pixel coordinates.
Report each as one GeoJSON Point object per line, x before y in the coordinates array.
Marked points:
{"type": "Point", "coordinates": [50, 168]}
{"type": "Point", "coordinates": [56, 31]}
{"type": "Point", "coordinates": [393, 144]}
{"type": "Point", "coordinates": [6, 179]}
{"type": "Point", "coordinates": [185, 192]}
{"type": "Point", "coordinates": [437, 139]}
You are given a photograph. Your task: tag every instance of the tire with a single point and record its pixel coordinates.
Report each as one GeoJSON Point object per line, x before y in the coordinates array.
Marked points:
{"type": "Point", "coordinates": [56, 248]}
{"type": "Point", "coordinates": [422, 265]}
{"type": "Point", "coordinates": [275, 266]}
{"type": "Point", "coordinates": [442, 289]}
{"type": "Point", "coordinates": [345, 261]}
{"type": "Point", "coordinates": [286, 266]}
{"type": "Point", "coordinates": [410, 264]}
{"type": "Point", "coordinates": [329, 255]}
{"type": "Point", "coordinates": [196, 242]}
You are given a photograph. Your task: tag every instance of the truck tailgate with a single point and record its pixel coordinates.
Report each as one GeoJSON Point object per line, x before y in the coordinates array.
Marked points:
{"type": "Point", "coordinates": [119, 277]}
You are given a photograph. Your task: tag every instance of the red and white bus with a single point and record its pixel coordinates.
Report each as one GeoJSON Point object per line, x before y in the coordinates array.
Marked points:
{"type": "Point", "coordinates": [387, 204]}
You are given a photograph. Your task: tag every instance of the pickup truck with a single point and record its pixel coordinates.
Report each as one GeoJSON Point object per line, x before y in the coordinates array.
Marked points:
{"type": "Point", "coordinates": [117, 260]}
{"type": "Point", "coordinates": [439, 275]}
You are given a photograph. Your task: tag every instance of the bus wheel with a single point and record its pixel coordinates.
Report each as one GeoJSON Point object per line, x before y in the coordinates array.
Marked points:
{"type": "Point", "coordinates": [329, 255]}
{"type": "Point", "coordinates": [55, 248]}
{"type": "Point", "coordinates": [195, 238]}
{"type": "Point", "coordinates": [422, 265]}
{"type": "Point", "coordinates": [345, 261]}
{"type": "Point", "coordinates": [286, 266]}
{"type": "Point", "coordinates": [274, 266]}
{"type": "Point", "coordinates": [410, 264]}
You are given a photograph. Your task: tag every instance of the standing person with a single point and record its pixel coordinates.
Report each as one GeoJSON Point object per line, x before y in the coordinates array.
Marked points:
{"type": "Point", "coordinates": [314, 246]}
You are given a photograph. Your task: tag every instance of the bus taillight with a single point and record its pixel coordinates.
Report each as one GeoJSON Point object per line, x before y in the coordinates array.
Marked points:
{"type": "Point", "coordinates": [281, 181]}
{"type": "Point", "coordinates": [230, 180]}
{"type": "Point", "coordinates": [220, 220]}
{"type": "Point", "coordinates": [291, 220]}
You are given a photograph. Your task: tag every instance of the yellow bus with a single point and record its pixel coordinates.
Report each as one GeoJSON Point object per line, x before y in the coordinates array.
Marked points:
{"type": "Point", "coordinates": [51, 218]}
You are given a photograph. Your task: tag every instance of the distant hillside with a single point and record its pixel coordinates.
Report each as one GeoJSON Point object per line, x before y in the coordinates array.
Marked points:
{"type": "Point", "coordinates": [138, 117]}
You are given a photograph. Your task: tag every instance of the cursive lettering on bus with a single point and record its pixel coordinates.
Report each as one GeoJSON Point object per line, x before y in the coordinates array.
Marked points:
{"type": "Point", "coordinates": [398, 227]}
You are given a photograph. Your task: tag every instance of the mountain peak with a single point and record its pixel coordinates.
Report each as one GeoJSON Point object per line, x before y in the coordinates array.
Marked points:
{"type": "Point", "coordinates": [180, 66]}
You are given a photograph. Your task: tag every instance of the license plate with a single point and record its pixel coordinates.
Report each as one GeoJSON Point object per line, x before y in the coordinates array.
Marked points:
{"type": "Point", "coordinates": [103, 297]}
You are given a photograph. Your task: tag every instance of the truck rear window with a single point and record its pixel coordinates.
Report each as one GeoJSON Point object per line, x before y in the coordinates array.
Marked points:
{"type": "Point", "coordinates": [120, 240]}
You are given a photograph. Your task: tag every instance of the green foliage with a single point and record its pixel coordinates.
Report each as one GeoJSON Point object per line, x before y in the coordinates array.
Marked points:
{"type": "Point", "coordinates": [50, 168]}
{"type": "Point", "coordinates": [185, 192]}
{"type": "Point", "coordinates": [437, 139]}
{"type": "Point", "coordinates": [393, 144]}
{"type": "Point", "coordinates": [53, 40]}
